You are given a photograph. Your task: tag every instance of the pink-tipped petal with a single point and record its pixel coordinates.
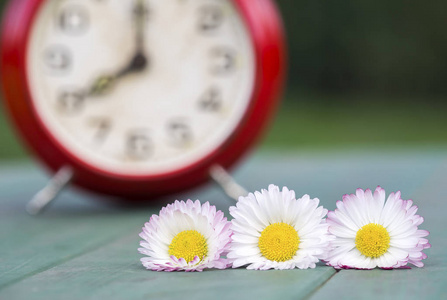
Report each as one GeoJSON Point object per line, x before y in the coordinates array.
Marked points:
{"type": "Point", "coordinates": [157, 235]}
{"type": "Point", "coordinates": [397, 216]}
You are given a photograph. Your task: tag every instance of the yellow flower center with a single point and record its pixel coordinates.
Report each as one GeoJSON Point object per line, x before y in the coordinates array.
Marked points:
{"type": "Point", "coordinates": [279, 242]}
{"type": "Point", "coordinates": [188, 244]}
{"type": "Point", "coordinates": [372, 240]}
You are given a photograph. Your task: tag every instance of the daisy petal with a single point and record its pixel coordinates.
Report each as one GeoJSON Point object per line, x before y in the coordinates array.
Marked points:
{"type": "Point", "coordinates": [273, 230]}
{"type": "Point", "coordinates": [186, 236]}
{"type": "Point", "coordinates": [371, 232]}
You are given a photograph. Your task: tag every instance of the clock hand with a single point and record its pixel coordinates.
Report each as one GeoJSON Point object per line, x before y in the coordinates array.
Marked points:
{"type": "Point", "coordinates": [104, 82]}
{"type": "Point", "coordinates": [138, 62]}
{"type": "Point", "coordinates": [139, 13]}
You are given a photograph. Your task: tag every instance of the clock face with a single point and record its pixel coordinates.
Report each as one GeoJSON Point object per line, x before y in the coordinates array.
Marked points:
{"type": "Point", "coordinates": [140, 87]}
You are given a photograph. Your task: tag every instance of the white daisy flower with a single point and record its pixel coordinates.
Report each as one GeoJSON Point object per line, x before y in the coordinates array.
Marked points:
{"type": "Point", "coordinates": [373, 233]}
{"type": "Point", "coordinates": [273, 230]}
{"type": "Point", "coordinates": [186, 236]}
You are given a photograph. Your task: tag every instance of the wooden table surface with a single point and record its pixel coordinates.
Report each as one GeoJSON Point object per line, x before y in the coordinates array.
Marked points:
{"type": "Point", "coordinates": [82, 248]}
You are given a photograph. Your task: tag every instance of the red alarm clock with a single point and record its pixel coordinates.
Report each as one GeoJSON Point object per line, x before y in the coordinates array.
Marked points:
{"type": "Point", "coordinates": [140, 98]}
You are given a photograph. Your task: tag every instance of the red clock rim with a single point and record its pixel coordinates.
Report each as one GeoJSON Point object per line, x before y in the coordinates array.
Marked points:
{"type": "Point", "coordinates": [265, 28]}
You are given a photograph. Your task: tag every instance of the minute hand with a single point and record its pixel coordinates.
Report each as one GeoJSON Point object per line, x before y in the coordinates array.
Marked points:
{"type": "Point", "coordinates": [140, 12]}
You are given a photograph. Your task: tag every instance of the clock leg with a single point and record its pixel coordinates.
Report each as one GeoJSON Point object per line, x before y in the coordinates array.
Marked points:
{"type": "Point", "coordinates": [231, 188]}
{"type": "Point", "coordinates": [44, 197]}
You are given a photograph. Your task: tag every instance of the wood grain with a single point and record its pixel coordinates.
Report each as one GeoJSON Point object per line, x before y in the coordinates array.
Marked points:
{"type": "Point", "coordinates": [417, 283]}
{"type": "Point", "coordinates": [83, 248]}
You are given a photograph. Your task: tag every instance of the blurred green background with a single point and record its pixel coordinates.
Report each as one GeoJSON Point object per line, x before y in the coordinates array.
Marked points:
{"type": "Point", "coordinates": [361, 74]}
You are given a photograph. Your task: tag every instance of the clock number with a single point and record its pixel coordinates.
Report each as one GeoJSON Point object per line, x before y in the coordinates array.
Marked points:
{"type": "Point", "coordinates": [179, 132]}
{"type": "Point", "coordinates": [210, 18]}
{"type": "Point", "coordinates": [102, 126]}
{"type": "Point", "coordinates": [223, 59]}
{"type": "Point", "coordinates": [70, 102]}
{"type": "Point", "coordinates": [73, 20]}
{"type": "Point", "coordinates": [138, 145]}
{"type": "Point", "coordinates": [211, 101]}
{"type": "Point", "coordinates": [57, 58]}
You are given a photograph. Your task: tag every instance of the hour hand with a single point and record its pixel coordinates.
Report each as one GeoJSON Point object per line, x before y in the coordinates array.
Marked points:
{"type": "Point", "coordinates": [100, 85]}
{"type": "Point", "coordinates": [104, 83]}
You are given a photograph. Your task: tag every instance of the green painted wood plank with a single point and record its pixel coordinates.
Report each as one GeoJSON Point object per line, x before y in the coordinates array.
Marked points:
{"type": "Point", "coordinates": [329, 175]}
{"type": "Point", "coordinates": [77, 231]}
{"type": "Point", "coordinates": [75, 224]}
{"type": "Point", "coordinates": [418, 283]}
{"type": "Point", "coordinates": [30, 245]}
{"type": "Point", "coordinates": [114, 272]}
